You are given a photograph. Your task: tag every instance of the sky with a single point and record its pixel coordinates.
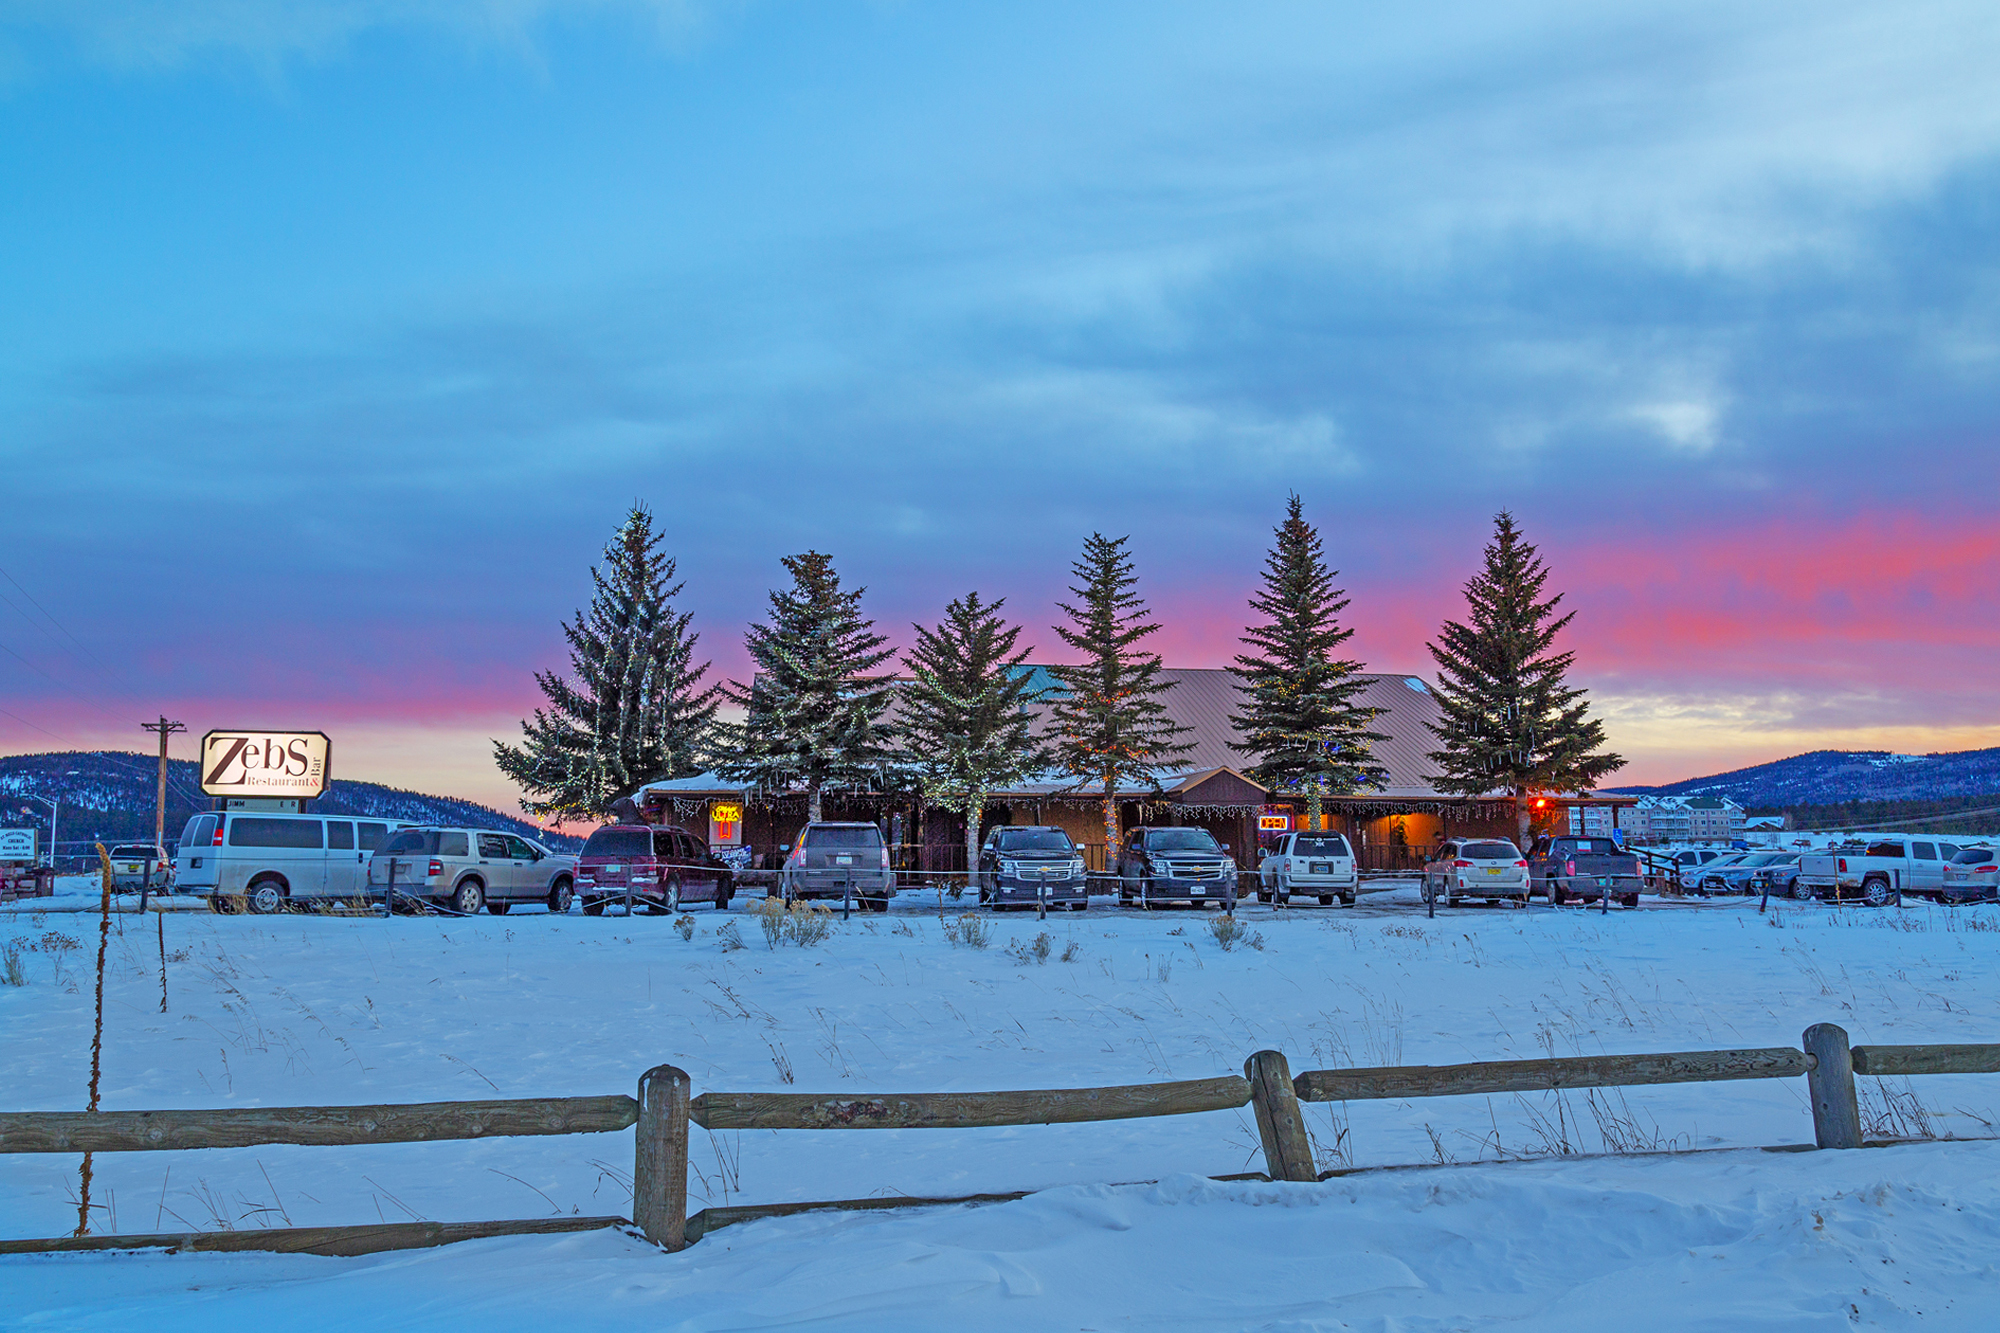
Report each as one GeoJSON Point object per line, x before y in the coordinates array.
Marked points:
{"type": "Point", "coordinates": [339, 335]}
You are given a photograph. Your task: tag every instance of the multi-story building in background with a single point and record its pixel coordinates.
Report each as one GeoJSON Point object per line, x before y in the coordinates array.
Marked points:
{"type": "Point", "coordinates": [1660, 820]}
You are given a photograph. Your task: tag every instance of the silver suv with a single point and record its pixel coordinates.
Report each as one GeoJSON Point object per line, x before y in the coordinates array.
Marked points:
{"type": "Point", "coordinates": [838, 861]}
{"type": "Point", "coordinates": [467, 869]}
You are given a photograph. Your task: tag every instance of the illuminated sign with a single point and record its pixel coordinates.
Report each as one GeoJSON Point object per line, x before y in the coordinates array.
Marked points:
{"type": "Point", "coordinates": [265, 763]}
{"type": "Point", "coordinates": [725, 819]}
{"type": "Point", "coordinates": [1274, 823]}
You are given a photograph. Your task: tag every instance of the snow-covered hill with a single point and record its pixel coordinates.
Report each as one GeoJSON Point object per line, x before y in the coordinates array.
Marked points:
{"type": "Point", "coordinates": [1828, 777]}
{"type": "Point", "coordinates": [109, 795]}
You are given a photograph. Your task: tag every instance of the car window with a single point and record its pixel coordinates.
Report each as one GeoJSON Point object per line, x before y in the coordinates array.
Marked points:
{"type": "Point", "coordinates": [492, 847]}
{"type": "Point", "coordinates": [843, 835]}
{"type": "Point", "coordinates": [1923, 851]}
{"type": "Point", "coordinates": [1490, 851]}
{"type": "Point", "coordinates": [264, 831]}
{"type": "Point", "coordinates": [1973, 856]}
{"type": "Point", "coordinates": [339, 835]}
{"type": "Point", "coordinates": [1034, 840]}
{"type": "Point", "coordinates": [1884, 849]}
{"type": "Point", "coordinates": [519, 849]}
{"type": "Point", "coordinates": [1321, 844]}
{"type": "Point", "coordinates": [666, 845]}
{"type": "Point", "coordinates": [198, 831]}
{"type": "Point", "coordinates": [1181, 840]}
{"type": "Point", "coordinates": [424, 841]}
{"type": "Point", "coordinates": [452, 844]}
{"type": "Point", "coordinates": [1947, 850]}
{"type": "Point", "coordinates": [619, 840]}
{"type": "Point", "coordinates": [372, 835]}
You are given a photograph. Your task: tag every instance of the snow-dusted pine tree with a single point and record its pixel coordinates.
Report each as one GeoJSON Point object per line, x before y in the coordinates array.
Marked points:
{"type": "Point", "coordinates": [965, 713]}
{"type": "Point", "coordinates": [1110, 725]}
{"type": "Point", "coordinates": [1510, 722]}
{"type": "Point", "coordinates": [1300, 720]}
{"type": "Point", "coordinates": [812, 713]}
{"type": "Point", "coordinates": [636, 710]}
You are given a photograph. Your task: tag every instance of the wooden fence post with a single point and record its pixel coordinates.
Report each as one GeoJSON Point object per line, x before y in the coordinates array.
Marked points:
{"type": "Point", "coordinates": [660, 1157]}
{"type": "Point", "coordinates": [1287, 1149]}
{"type": "Point", "coordinates": [1836, 1116]}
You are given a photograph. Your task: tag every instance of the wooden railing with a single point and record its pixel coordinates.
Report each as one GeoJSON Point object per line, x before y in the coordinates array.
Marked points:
{"type": "Point", "coordinates": [663, 1111]}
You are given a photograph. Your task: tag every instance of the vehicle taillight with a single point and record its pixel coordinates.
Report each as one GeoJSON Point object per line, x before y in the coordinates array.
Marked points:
{"type": "Point", "coordinates": [885, 858]}
{"type": "Point", "coordinates": [1986, 870]}
{"type": "Point", "coordinates": [1461, 865]}
{"type": "Point", "coordinates": [437, 868]}
{"type": "Point", "coordinates": [1843, 865]}
{"type": "Point", "coordinates": [1569, 867]}
{"type": "Point", "coordinates": [1520, 865]}
{"type": "Point", "coordinates": [218, 834]}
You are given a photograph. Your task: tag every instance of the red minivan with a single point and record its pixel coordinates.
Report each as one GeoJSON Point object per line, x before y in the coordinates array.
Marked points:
{"type": "Point", "coordinates": [657, 867]}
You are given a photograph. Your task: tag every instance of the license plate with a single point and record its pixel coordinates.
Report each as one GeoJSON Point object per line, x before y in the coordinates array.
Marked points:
{"type": "Point", "coordinates": [843, 860]}
{"type": "Point", "coordinates": [1603, 883]}
{"type": "Point", "coordinates": [1321, 868]}
{"type": "Point", "coordinates": [1194, 892]}
{"type": "Point", "coordinates": [1491, 871]}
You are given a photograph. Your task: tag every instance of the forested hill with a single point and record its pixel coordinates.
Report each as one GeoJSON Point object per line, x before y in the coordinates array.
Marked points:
{"type": "Point", "coordinates": [1830, 777]}
{"type": "Point", "coordinates": [108, 796]}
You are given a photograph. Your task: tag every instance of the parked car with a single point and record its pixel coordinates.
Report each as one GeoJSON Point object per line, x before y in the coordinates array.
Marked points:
{"type": "Point", "coordinates": [262, 863]}
{"type": "Point", "coordinates": [1488, 868]}
{"type": "Point", "coordinates": [1023, 865]}
{"type": "Point", "coordinates": [1157, 866]}
{"type": "Point", "coordinates": [1779, 878]}
{"type": "Point", "coordinates": [658, 867]}
{"type": "Point", "coordinates": [1584, 869]}
{"type": "Point", "coordinates": [133, 862]}
{"type": "Point", "coordinates": [833, 860]}
{"type": "Point", "coordinates": [1685, 866]}
{"type": "Point", "coordinates": [1736, 873]}
{"type": "Point", "coordinates": [1972, 876]}
{"type": "Point", "coordinates": [1877, 871]}
{"type": "Point", "coordinates": [1318, 865]}
{"type": "Point", "coordinates": [466, 869]}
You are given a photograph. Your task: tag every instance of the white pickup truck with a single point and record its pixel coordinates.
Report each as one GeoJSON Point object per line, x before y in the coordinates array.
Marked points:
{"type": "Point", "coordinates": [1877, 871]}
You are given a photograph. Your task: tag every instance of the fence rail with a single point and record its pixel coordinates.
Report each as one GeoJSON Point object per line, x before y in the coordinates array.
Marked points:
{"type": "Point", "coordinates": [664, 1109]}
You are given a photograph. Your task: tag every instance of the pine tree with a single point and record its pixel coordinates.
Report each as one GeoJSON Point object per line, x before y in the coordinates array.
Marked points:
{"type": "Point", "coordinates": [1109, 722]}
{"type": "Point", "coordinates": [637, 711]}
{"type": "Point", "coordinates": [1300, 720]}
{"type": "Point", "coordinates": [965, 713]}
{"type": "Point", "coordinates": [813, 713]}
{"type": "Point", "coordinates": [1510, 722]}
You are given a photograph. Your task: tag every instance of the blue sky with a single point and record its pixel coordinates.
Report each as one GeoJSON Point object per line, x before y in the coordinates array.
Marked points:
{"type": "Point", "coordinates": [339, 335]}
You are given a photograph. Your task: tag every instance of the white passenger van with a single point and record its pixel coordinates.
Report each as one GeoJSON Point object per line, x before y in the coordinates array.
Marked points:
{"type": "Point", "coordinates": [259, 862]}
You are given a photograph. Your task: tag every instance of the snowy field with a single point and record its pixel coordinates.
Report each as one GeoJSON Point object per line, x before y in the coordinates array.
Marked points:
{"type": "Point", "coordinates": [1501, 1222]}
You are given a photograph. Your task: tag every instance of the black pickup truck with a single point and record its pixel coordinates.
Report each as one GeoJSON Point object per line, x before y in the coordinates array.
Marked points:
{"type": "Point", "coordinates": [1568, 869]}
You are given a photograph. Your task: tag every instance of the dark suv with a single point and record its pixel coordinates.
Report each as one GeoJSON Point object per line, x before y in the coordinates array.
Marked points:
{"type": "Point", "coordinates": [655, 867]}
{"type": "Point", "coordinates": [1175, 865]}
{"type": "Point", "coordinates": [837, 860]}
{"type": "Point", "coordinates": [1022, 864]}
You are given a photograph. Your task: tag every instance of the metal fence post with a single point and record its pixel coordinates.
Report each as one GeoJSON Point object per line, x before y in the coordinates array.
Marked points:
{"type": "Point", "coordinates": [1280, 1123]}
{"type": "Point", "coordinates": [1830, 1080]}
{"type": "Point", "coordinates": [660, 1157]}
{"type": "Point", "coordinates": [846, 893]}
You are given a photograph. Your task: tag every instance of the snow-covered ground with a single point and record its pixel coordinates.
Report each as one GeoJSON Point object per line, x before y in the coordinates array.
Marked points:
{"type": "Point", "coordinates": [316, 1009]}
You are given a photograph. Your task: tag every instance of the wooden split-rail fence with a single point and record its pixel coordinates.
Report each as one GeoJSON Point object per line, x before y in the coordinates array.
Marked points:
{"type": "Point", "coordinates": [664, 1110]}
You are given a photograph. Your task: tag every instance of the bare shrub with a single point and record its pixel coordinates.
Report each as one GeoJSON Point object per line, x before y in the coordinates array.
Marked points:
{"type": "Point", "coordinates": [11, 971]}
{"type": "Point", "coordinates": [1335, 1150]}
{"type": "Point", "coordinates": [1043, 946]}
{"type": "Point", "coordinates": [771, 919]}
{"type": "Point", "coordinates": [1070, 952]}
{"type": "Point", "coordinates": [1230, 932]}
{"type": "Point", "coordinates": [684, 923]}
{"type": "Point", "coordinates": [1889, 1111]}
{"type": "Point", "coordinates": [729, 938]}
{"type": "Point", "coordinates": [1037, 952]}
{"type": "Point", "coordinates": [780, 1061]}
{"type": "Point", "coordinates": [970, 930]}
{"type": "Point", "coordinates": [808, 923]}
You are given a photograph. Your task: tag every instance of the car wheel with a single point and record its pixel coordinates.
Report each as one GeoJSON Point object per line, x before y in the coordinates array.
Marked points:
{"type": "Point", "coordinates": [468, 897]}
{"type": "Point", "coordinates": [1146, 894]}
{"type": "Point", "coordinates": [1347, 900]}
{"type": "Point", "coordinates": [1326, 900]}
{"type": "Point", "coordinates": [593, 907]}
{"type": "Point", "coordinates": [1875, 891]}
{"type": "Point", "coordinates": [1629, 900]}
{"type": "Point", "coordinates": [1557, 894]}
{"type": "Point", "coordinates": [267, 895]}
{"type": "Point", "coordinates": [1079, 905]}
{"type": "Point", "coordinates": [669, 899]}
{"type": "Point", "coordinates": [560, 896]}
{"type": "Point", "coordinates": [221, 904]}
{"type": "Point", "coordinates": [499, 909]}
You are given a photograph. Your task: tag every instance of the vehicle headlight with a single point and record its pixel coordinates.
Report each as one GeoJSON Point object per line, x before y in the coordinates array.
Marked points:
{"type": "Point", "coordinates": [1010, 867]}
{"type": "Point", "coordinates": [1076, 867]}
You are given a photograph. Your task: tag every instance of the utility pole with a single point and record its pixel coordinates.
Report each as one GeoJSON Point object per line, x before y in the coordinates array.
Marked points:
{"type": "Point", "coordinates": [166, 729]}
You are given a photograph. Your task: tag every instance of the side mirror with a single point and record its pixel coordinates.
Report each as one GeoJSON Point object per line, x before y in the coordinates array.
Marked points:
{"type": "Point", "coordinates": [784, 847]}
{"type": "Point", "coordinates": [1226, 847]}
